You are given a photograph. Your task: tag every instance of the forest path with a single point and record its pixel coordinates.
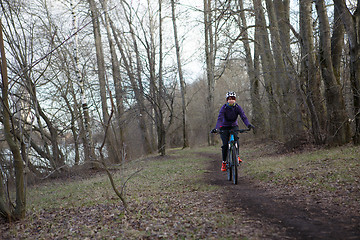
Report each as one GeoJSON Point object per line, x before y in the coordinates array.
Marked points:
{"type": "Point", "coordinates": [291, 215]}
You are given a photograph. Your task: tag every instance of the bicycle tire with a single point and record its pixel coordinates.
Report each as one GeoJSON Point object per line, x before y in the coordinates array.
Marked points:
{"type": "Point", "coordinates": [228, 167]}
{"type": "Point", "coordinates": [234, 168]}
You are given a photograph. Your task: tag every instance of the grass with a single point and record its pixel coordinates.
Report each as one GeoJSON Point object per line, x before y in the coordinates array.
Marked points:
{"type": "Point", "coordinates": [172, 173]}
{"type": "Point", "coordinates": [166, 199]}
{"type": "Point", "coordinates": [170, 198]}
{"type": "Point", "coordinates": [69, 194]}
{"type": "Point", "coordinates": [324, 169]}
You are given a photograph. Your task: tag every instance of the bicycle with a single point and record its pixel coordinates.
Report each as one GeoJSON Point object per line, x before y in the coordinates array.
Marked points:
{"type": "Point", "coordinates": [232, 162]}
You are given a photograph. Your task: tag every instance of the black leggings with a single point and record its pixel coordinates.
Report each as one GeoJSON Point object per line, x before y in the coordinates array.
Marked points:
{"type": "Point", "coordinates": [225, 139]}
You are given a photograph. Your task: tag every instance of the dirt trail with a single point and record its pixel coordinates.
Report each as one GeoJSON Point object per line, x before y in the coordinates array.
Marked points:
{"type": "Point", "coordinates": [298, 219]}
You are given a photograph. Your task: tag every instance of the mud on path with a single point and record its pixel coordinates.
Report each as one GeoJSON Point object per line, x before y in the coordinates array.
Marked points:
{"type": "Point", "coordinates": [287, 215]}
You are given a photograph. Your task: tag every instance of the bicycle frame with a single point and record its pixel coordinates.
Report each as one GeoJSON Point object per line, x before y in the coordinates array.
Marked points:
{"type": "Point", "coordinates": [231, 163]}
{"type": "Point", "coordinates": [232, 155]}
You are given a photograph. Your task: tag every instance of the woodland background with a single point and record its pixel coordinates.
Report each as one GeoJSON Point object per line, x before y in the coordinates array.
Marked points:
{"type": "Point", "coordinates": [90, 82]}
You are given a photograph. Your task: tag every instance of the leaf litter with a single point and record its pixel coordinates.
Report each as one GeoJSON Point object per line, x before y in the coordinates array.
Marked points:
{"type": "Point", "coordinates": [178, 206]}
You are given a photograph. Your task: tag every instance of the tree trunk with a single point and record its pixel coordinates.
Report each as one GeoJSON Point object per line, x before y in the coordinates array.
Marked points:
{"type": "Point", "coordinates": [257, 109]}
{"type": "Point", "coordinates": [137, 92]}
{"type": "Point", "coordinates": [135, 78]}
{"type": "Point", "coordinates": [311, 76]}
{"type": "Point", "coordinates": [7, 211]}
{"type": "Point", "coordinates": [57, 158]}
{"type": "Point", "coordinates": [181, 78]}
{"type": "Point", "coordinates": [86, 133]}
{"type": "Point", "coordinates": [279, 75]}
{"type": "Point", "coordinates": [115, 67]}
{"type": "Point", "coordinates": [102, 81]}
{"type": "Point", "coordinates": [337, 43]}
{"type": "Point", "coordinates": [160, 94]}
{"type": "Point", "coordinates": [280, 48]}
{"type": "Point", "coordinates": [291, 81]}
{"type": "Point", "coordinates": [209, 55]}
{"type": "Point", "coordinates": [73, 130]}
{"type": "Point", "coordinates": [268, 67]}
{"type": "Point", "coordinates": [282, 10]}
{"type": "Point", "coordinates": [338, 126]}
{"type": "Point", "coordinates": [139, 73]}
{"type": "Point", "coordinates": [352, 27]}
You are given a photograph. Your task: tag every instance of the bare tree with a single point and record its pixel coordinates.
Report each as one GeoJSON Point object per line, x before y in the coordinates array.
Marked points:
{"type": "Point", "coordinates": [136, 84]}
{"type": "Point", "coordinates": [28, 78]}
{"type": "Point", "coordinates": [210, 49]}
{"type": "Point", "coordinates": [286, 93]}
{"type": "Point", "coordinates": [159, 94]}
{"type": "Point", "coordinates": [181, 78]}
{"type": "Point", "coordinates": [351, 23]}
{"type": "Point", "coordinates": [101, 75]}
{"type": "Point", "coordinates": [310, 73]}
{"type": "Point", "coordinates": [268, 66]}
{"type": "Point", "coordinates": [258, 115]}
{"type": "Point", "coordinates": [292, 81]}
{"type": "Point", "coordinates": [7, 210]}
{"type": "Point", "coordinates": [85, 120]}
{"type": "Point", "coordinates": [338, 125]}
{"type": "Point", "coordinates": [115, 67]}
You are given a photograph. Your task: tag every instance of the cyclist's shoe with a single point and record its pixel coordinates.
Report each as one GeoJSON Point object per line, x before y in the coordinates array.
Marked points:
{"type": "Point", "coordinates": [223, 167]}
{"type": "Point", "coordinates": [239, 160]}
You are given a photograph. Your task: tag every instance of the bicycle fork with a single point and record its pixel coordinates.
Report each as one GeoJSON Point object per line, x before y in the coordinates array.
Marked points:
{"type": "Point", "coordinates": [233, 142]}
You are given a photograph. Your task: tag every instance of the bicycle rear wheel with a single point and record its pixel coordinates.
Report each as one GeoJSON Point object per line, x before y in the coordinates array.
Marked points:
{"type": "Point", "coordinates": [234, 168]}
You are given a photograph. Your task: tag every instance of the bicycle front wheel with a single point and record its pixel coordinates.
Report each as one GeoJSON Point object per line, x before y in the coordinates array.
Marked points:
{"type": "Point", "coordinates": [228, 166]}
{"type": "Point", "coordinates": [234, 168]}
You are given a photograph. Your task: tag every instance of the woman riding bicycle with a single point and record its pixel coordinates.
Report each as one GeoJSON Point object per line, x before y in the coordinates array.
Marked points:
{"type": "Point", "coordinates": [227, 120]}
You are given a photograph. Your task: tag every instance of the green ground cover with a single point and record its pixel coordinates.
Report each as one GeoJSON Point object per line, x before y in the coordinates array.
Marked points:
{"type": "Point", "coordinates": [169, 197]}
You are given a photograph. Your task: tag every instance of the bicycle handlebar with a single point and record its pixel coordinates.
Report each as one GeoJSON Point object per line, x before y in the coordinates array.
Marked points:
{"type": "Point", "coordinates": [234, 130]}
{"type": "Point", "coordinates": [243, 130]}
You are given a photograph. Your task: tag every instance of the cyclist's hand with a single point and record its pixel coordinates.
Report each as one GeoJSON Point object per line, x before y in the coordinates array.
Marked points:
{"type": "Point", "coordinates": [251, 126]}
{"type": "Point", "coordinates": [214, 130]}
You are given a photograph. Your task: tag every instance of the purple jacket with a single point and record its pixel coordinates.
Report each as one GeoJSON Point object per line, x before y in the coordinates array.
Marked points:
{"type": "Point", "coordinates": [228, 116]}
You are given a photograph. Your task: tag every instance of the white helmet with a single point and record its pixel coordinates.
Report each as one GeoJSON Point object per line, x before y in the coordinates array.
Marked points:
{"type": "Point", "coordinates": [230, 94]}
